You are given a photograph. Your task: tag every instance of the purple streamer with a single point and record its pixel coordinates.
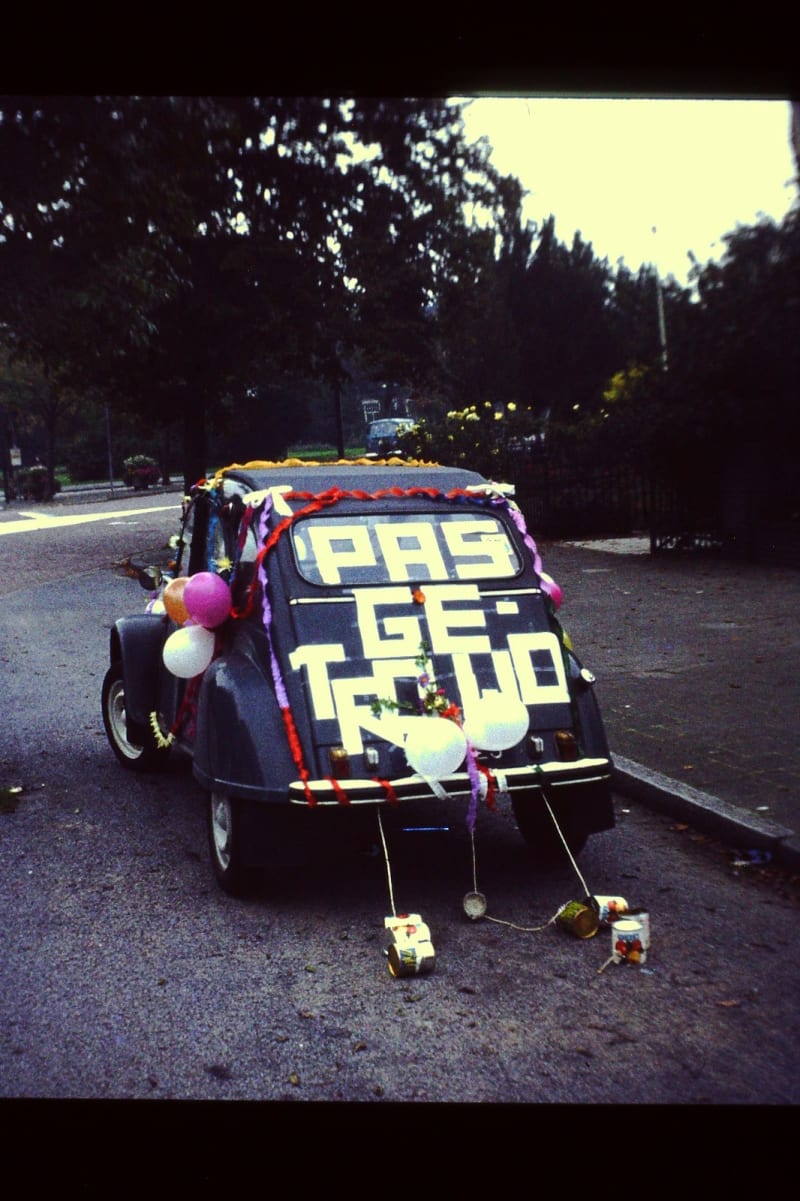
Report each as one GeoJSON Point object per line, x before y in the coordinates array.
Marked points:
{"type": "Point", "coordinates": [475, 787]}
{"type": "Point", "coordinates": [277, 679]}
{"type": "Point", "coordinates": [519, 522]}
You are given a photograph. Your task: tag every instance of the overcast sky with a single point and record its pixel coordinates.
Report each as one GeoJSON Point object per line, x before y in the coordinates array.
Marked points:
{"type": "Point", "coordinates": [615, 169]}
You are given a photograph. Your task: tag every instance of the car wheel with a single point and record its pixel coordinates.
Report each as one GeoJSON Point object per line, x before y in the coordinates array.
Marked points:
{"type": "Point", "coordinates": [536, 827]}
{"type": "Point", "coordinates": [134, 745]}
{"type": "Point", "coordinates": [225, 844]}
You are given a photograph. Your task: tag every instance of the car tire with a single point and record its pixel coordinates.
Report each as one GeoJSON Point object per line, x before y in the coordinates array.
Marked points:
{"type": "Point", "coordinates": [536, 826]}
{"type": "Point", "coordinates": [134, 745]}
{"type": "Point", "coordinates": [233, 875]}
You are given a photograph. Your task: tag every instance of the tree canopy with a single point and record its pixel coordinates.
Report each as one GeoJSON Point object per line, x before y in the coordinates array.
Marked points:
{"type": "Point", "coordinates": [232, 262]}
{"type": "Point", "coordinates": [180, 250]}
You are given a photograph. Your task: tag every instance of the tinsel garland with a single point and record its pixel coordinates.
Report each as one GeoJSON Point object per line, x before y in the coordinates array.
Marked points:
{"type": "Point", "coordinates": [188, 708]}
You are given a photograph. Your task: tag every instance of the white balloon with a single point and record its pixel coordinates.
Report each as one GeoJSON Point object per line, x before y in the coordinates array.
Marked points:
{"type": "Point", "coordinates": [435, 747]}
{"type": "Point", "coordinates": [496, 722]}
{"type": "Point", "coordinates": [188, 651]}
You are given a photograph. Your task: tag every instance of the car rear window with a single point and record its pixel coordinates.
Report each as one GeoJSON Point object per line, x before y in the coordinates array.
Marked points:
{"type": "Point", "coordinates": [383, 429]}
{"type": "Point", "coordinates": [409, 547]}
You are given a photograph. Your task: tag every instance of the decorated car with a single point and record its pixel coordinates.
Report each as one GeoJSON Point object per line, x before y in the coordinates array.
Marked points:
{"type": "Point", "coordinates": [359, 634]}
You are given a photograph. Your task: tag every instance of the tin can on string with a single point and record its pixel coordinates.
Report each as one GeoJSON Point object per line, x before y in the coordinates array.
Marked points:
{"type": "Point", "coordinates": [608, 909]}
{"type": "Point", "coordinates": [409, 947]}
{"type": "Point", "coordinates": [626, 942]}
{"type": "Point", "coordinates": [578, 919]}
{"type": "Point", "coordinates": [643, 918]}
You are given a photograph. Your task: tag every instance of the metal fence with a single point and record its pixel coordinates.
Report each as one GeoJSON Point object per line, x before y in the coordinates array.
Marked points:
{"type": "Point", "coordinates": [562, 498]}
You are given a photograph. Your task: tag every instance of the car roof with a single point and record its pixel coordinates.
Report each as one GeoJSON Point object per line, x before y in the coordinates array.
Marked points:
{"type": "Point", "coordinates": [347, 476]}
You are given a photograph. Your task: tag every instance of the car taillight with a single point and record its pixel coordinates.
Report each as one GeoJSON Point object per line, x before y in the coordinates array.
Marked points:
{"type": "Point", "coordinates": [371, 756]}
{"type": "Point", "coordinates": [566, 745]}
{"type": "Point", "coordinates": [340, 762]}
{"type": "Point", "coordinates": [535, 746]}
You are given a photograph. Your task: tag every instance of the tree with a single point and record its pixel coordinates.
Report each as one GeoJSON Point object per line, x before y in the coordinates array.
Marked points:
{"type": "Point", "coordinates": [178, 251]}
{"type": "Point", "coordinates": [32, 397]}
{"type": "Point", "coordinates": [480, 337]}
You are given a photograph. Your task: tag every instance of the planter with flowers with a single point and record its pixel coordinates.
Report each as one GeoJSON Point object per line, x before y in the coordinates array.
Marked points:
{"type": "Point", "coordinates": [140, 471]}
{"type": "Point", "coordinates": [32, 483]}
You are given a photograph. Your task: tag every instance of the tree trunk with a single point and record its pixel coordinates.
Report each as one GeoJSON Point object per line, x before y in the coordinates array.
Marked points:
{"type": "Point", "coordinates": [195, 439]}
{"type": "Point", "coordinates": [50, 489]}
{"type": "Point", "coordinates": [337, 400]}
{"type": "Point", "coordinates": [165, 455]}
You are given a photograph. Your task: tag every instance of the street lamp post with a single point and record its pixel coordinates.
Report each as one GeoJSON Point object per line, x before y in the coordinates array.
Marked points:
{"type": "Point", "coordinates": [662, 325]}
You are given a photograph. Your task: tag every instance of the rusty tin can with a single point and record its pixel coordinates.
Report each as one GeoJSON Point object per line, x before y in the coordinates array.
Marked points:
{"type": "Point", "coordinates": [578, 919]}
{"type": "Point", "coordinates": [627, 945]}
{"type": "Point", "coordinates": [409, 947]}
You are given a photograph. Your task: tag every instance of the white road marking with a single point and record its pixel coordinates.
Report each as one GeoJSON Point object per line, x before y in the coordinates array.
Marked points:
{"type": "Point", "coordinates": [27, 522]}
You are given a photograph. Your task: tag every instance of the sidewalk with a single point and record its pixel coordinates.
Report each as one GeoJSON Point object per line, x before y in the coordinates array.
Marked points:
{"type": "Point", "coordinates": [82, 494]}
{"type": "Point", "coordinates": [697, 662]}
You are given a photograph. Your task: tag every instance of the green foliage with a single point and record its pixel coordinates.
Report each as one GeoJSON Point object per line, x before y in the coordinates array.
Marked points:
{"type": "Point", "coordinates": [488, 438]}
{"type": "Point", "coordinates": [241, 266]}
{"type": "Point", "coordinates": [174, 251]}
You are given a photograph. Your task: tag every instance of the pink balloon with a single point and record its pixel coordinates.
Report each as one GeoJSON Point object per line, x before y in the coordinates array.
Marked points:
{"type": "Point", "coordinates": [552, 589]}
{"type": "Point", "coordinates": [207, 598]}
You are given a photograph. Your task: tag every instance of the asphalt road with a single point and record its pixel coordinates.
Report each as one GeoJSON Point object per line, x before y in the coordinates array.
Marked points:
{"type": "Point", "coordinates": [126, 974]}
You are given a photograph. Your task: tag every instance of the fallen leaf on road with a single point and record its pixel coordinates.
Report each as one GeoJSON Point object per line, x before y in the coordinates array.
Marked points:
{"type": "Point", "coordinates": [728, 1004]}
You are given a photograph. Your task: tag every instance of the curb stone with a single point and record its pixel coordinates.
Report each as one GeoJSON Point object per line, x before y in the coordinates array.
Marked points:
{"type": "Point", "coordinates": [707, 813]}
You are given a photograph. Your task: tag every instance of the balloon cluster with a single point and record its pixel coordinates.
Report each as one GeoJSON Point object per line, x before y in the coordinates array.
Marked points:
{"type": "Point", "coordinates": [198, 604]}
{"type": "Point", "coordinates": [435, 748]}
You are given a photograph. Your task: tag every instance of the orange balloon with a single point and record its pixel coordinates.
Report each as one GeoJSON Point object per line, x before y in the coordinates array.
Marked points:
{"type": "Point", "coordinates": [173, 599]}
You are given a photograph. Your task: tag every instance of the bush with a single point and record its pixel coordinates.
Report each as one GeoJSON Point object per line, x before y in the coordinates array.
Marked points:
{"type": "Point", "coordinates": [140, 471]}
{"type": "Point", "coordinates": [490, 439]}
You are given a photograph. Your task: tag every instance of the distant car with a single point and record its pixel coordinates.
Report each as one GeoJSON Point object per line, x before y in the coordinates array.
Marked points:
{"type": "Point", "coordinates": [383, 435]}
{"type": "Point", "coordinates": [358, 635]}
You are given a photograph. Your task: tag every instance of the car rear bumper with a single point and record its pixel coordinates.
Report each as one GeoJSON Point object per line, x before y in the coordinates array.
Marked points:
{"type": "Point", "coordinates": [415, 787]}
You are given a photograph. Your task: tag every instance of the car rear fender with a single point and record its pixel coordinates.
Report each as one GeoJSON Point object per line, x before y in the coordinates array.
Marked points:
{"type": "Point", "coordinates": [241, 744]}
{"type": "Point", "coordinates": [590, 727]}
{"type": "Point", "coordinates": [137, 642]}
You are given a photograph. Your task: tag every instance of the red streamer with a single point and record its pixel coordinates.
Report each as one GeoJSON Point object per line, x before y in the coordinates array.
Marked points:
{"type": "Point", "coordinates": [391, 795]}
{"type": "Point", "coordinates": [297, 754]}
{"type": "Point", "coordinates": [341, 795]}
{"type": "Point", "coordinates": [491, 787]}
{"type": "Point", "coordinates": [316, 502]}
